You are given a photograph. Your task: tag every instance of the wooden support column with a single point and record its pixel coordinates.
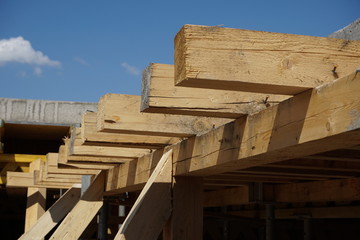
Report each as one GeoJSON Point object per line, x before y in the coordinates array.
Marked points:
{"type": "Point", "coordinates": [187, 216]}
{"type": "Point", "coordinates": [84, 211]}
{"type": "Point", "coordinates": [152, 208]}
{"type": "Point", "coordinates": [53, 215]}
{"type": "Point", "coordinates": [36, 200]}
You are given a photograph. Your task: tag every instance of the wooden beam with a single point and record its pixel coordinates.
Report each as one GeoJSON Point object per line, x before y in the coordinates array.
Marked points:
{"type": "Point", "coordinates": [159, 95]}
{"type": "Point", "coordinates": [153, 206]}
{"type": "Point", "coordinates": [83, 212]}
{"type": "Point", "coordinates": [53, 215]}
{"type": "Point", "coordinates": [36, 200]}
{"type": "Point", "coordinates": [318, 120]}
{"type": "Point", "coordinates": [229, 196]}
{"type": "Point", "coordinates": [91, 136]}
{"type": "Point", "coordinates": [253, 61]}
{"type": "Point", "coordinates": [330, 190]}
{"type": "Point", "coordinates": [121, 113]}
{"type": "Point", "coordinates": [186, 220]}
{"type": "Point", "coordinates": [338, 212]}
{"type": "Point", "coordinates": [65, 159]}
{"type": "Point", "coordinates": [21, 179]}
{"type": "Point", "coordinates": [52, 166]}
{"type": "Point", "coordinates": [8, 167]}
{"type": "Point", "coordinates": [316, 191]}
{"type": "Point", "coordinates": [132, 176]}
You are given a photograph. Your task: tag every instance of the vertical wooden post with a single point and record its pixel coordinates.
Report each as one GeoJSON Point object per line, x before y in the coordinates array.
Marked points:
{"type": "Point", "coordinates": [36, 200]}
{"type": "Point", "coordinates": [187, 216]}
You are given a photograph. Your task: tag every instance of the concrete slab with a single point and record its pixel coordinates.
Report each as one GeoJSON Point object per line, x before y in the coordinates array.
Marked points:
{"type": "Point", "coordinates": [350, 32]}
{"type": "Point", "coordinates": [43, 111]}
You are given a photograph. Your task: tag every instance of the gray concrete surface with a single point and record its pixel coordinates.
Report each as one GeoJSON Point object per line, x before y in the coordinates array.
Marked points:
{"type": "Point", "coordinates": [350, 32]}
{"type": "Point", "coordinates": [43, 111]}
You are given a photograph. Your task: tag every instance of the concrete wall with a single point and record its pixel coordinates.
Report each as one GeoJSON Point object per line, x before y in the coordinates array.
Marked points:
{"type": "Point", "coordinates": [350, 32]}
{"type": "Point", "coordinates": [43, 111]}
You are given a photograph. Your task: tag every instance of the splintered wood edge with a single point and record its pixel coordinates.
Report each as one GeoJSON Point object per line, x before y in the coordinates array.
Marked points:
{"type": "Point", "coordinates": [145, 87]}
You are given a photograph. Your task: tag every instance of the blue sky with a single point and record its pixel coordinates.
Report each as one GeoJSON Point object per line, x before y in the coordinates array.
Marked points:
{"type": "Point", "coordinates": [80, 50]}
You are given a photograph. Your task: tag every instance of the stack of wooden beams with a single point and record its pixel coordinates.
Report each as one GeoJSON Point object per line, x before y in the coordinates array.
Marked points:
{"type": "Point", "coordinates": [239, 112]}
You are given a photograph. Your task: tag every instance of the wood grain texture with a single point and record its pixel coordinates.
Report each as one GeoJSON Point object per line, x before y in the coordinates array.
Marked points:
{"type": "Point", "coordinates": [153, 206]}
{"type": "Point", "coordinates": [53, 215]}
{"type": "Point", "coordinates": [91, 136]}
{"type": "Point", "coordinates": [121, 113]}
{"type": "Point", "coordinates": [83, 212]}
{"type": "Point", "coordinates": [160, 95]}
{"type": "Point", "coordinates": [253, 61]}
{"type": "Point", "coordinates": [326, 117]}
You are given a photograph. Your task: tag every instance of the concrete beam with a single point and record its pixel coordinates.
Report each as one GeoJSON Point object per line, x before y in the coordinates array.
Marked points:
{"type": "Point", "coordinates": [350, 32]}
{"type": "Point", "coordinates": [43, 111]}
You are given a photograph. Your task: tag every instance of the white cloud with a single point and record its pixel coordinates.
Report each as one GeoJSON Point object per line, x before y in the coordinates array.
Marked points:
{"type": "Point", "coordinates": [131, 69]}
{"type": "Point", "coordinates": [81, 61]}
{"type": "Point", "coordinates": [37, 71]}
{"type": "Point", "coordinates": [20, 50]}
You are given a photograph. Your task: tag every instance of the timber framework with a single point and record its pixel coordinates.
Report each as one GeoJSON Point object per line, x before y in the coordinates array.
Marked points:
{"type": "Point", "coordinates": [248, 135]}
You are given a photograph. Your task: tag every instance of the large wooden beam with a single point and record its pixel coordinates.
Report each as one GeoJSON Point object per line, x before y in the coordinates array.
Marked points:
{"type": "Point", "coordinates": [252, 61]}
{"type": "Point", "coordinates": [313, 122]}
{"type": "Point", "coordinates": [83, 212]}
{"type": "Point", "coordinates": [132, 176]}
{"type": "Point", "coordinates": [52, 166]}
{"type": "Point", "coordinates": [318, 120]}
{"type": "Point", "coordinates": [91, 136]}
{"type": "Point", "coordinates": [304, 212]}
{"type": "Point", "coordinates": [330, 190]}
{"type": "Point", "coordinates": [153, 206]}
{"type": "Point", "coordinates": [317, 191]}
{"type": "Point", "coordinates": [21, 179]}
{"type": "Point", "coordinates": [121, 113]}
{"type": "Point", "coordinates": [53, 215]}
{"type": "Point", "coordinates": [159, 95]}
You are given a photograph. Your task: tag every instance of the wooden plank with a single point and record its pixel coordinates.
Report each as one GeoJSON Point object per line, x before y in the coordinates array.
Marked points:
{"type": "Point", "coordinates": [51, 166]}
{"type": "Point", "coordinates": [53, 215]}
{"type": "Point", "coordinates": [121, 113]}
{"type": "Point", "coordinates": [20, 158]}
{"type": "Point", "coordinates": [159, 95]}
{"type": "Point", "coordinates": [330, 190]}
{"type": "Point", "coordinates": [229, 196]}
{"type": "Point", "coordinates": [318, 120]}
{"type": "Point", "coordinates": [132, 176]}
{"type": "Point", "coordinates": [21, 179]}
{"type": "Point", "coordinates": [83, 212]}
{"type": "Point", "coordinates": [186, 220]}
{"type": "Point", "coordinates": [298, 213]}
{"type": "Point", "coordinates": [70, 160]}
{"type": "Point", "coordinates": [8, 167]}
{"type": "Point", "coordinates": [121, 153]}
{"type": "Point", "coordinates": [153, 206]}
{"type": "Point", "coordinates": [36, 200]}
{"type": "Point", "coordinates": [253, 61]}
{"type": "Point", "coordinates": [91, 136]}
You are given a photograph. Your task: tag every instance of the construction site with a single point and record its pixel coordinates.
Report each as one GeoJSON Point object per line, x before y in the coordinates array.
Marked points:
{"type": "Point", "coordinates": [249, 135]}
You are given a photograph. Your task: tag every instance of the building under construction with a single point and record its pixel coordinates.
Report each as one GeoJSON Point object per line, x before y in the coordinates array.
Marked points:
{"type": "Point", "coordinates": [248, 136]}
